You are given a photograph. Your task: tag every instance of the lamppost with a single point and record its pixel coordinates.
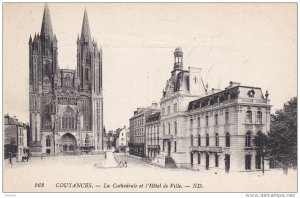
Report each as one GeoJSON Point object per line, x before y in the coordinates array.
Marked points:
{"type": "Point", "coordinates": [263, 160]}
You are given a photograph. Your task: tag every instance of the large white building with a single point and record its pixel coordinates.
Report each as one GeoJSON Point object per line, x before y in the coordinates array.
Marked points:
{"type": "Point", "coordinates": [215, 129]}
{"type": "Point", "coordinates": [123, 139]}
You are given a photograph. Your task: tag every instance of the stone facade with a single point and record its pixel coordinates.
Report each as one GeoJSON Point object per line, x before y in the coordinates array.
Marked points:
{"type": "Point", "coordinates": [210, 130]}
{"type": "Point", "coordinates": [182, 87]}
{"type": "Point", "coordinates": [15, 137]}
{"type": "Point", "coordinates": [222, 127]}
{"type": "Point", "coordinates": [66, 106]}
{"type": "Point", "coordinates": [137, 140]}
{"type": "Point", "coordinates": [153, 138]}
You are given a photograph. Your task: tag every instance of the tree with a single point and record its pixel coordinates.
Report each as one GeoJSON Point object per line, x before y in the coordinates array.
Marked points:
{"type": "Point", "coordinates": [262, 147]}
{"type": "Point", "coordinates": [283, 135]}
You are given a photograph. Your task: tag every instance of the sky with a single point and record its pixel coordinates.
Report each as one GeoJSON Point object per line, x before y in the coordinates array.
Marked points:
{"type": "Point", "coordinates": [251, 43]}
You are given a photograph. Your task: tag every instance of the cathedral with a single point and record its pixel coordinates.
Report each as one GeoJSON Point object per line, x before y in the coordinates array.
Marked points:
{"type": "Point", "coordinates": [66, 106]}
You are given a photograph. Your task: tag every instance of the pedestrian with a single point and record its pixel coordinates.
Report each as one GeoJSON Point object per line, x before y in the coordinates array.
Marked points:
{"type": "Point", "coordinates": [125, 164]}
{"type": "Point", "coordinates": [10, 159]}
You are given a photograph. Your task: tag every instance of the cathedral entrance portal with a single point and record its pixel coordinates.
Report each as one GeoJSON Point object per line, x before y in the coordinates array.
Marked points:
{"type": "Point", "coordinates": [68, 143]}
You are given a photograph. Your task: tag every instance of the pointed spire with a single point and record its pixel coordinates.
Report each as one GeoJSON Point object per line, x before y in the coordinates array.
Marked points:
{"type": "Point", "coordinates": [46, 29]}
{"type": "Point", "coordinates": [85, 30]}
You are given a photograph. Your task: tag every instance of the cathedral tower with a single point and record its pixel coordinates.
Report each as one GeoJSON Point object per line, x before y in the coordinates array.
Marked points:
{"type": "Point", "coordinates": [66, 105]}
{"type": "Point", "coordinates": [89, 73]}
{"type": "Point", "coordinates": [42, 69]}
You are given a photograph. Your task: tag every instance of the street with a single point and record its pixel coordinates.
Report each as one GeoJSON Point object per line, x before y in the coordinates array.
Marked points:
{"type": "Point", "coordinates": [79, 174]}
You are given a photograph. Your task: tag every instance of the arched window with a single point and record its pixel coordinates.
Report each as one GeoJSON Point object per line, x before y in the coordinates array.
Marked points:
{"type": "Point", "coordinates": [217, 139]}
{"type": "Point", "coordinates": [248, 139]}
{"type": "Point", "coordinates": [64, 122]}
{"type": "Point", "coordinates": [216, 119]}
{"type": "Point", "coordinates": [227, 140]}
{"type": "Point", "coordinates": [86, 74]}
{"type": "Point", "coordinates": [175, 126]}
{"type": "Point", "coordinates": [48, 141]}
{"type": "Point", "coordinates": [207, 140]}
{"type": "Point", "coordinates": [249, 116]}
{"type": "Point", "coordinates": [198, 121]}
{"type": "Point", "coordinates": [259, 117]}
{"type": "Point", "coordinates": [226, 117]}
{"type": "Point", "coordinates": [206, 120]}
{"type": "Point", "coordinates": [72, 125]}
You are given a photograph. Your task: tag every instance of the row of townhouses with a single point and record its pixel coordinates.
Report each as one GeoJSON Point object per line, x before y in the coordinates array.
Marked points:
{"type": "Point", "coordinates": [202, 129]}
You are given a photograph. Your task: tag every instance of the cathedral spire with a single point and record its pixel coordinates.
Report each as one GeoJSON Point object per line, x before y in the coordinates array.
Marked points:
{"type": "Point", "coordinates": [85, 30]}
{"type": "Point", "coordinates": [46, 30]}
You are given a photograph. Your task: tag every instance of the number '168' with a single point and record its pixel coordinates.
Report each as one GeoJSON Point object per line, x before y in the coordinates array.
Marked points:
{"type": "Point", "coordinates": [39, 185]}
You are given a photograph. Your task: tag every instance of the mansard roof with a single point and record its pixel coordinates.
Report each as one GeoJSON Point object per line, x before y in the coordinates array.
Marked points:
{"type": "Point", "coordinates": [229, 93]}
{"type": "Point", "coordinates": [155, 116]}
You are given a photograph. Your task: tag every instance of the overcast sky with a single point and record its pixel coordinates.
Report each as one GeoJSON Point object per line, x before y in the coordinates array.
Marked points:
{"type": "Point", "coordinates": [254, 44]}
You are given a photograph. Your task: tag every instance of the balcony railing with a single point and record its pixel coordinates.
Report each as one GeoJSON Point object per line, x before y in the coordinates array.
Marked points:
{"type": "Point", "coordinates": [153, 146]}
{"type": "Point", "coordinates": [167, 137]}
{"type": "Point", "coordinates": [212, 149]}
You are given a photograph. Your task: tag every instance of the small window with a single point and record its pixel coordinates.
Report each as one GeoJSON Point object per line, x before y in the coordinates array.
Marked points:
{"type": "Point", "coordinates": [257, 161]}
{"type": "Point", "coordinates": [226, 117]}
{"type": "Point", "coordinates": [216, 119]}
{"type": "Point", "coordinates": [169, 110]}
{"type": "Point", "coordinates": [175, 107]}
{"type": "Point", "coordinates": [249, 116]}
{"type": "Point", "coordinates": [206, 120]}
{"type": "Point", "coordinates": [216, 160]}
{"type": "Point", "coordinates": [199, 140]}
{"type": "Point", "coordinates": [199, 158]}
{"type": "Point", "coordinates": [248, 139]}
{"type": "Point", "coordinates": [227, 141]}
{"type": "Point", "coordinates": [259, 117]}
{"type": "Point", "coordinates": [217, 139]}
{"type": "Point", "coordinates": [198, 121]}
{"type": "Point", "coordinates": [48, 142]}
{"type": "Point", "coordinates": [175, 127]}
{"type": "Point", "coordinates": [247, 162]}
{"type": "Point", "coordinates": [175, 146]}
{"type": "Point", "coordinates": [207, 140]}
{"type": "Point", "coordinates": [192, 141]}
